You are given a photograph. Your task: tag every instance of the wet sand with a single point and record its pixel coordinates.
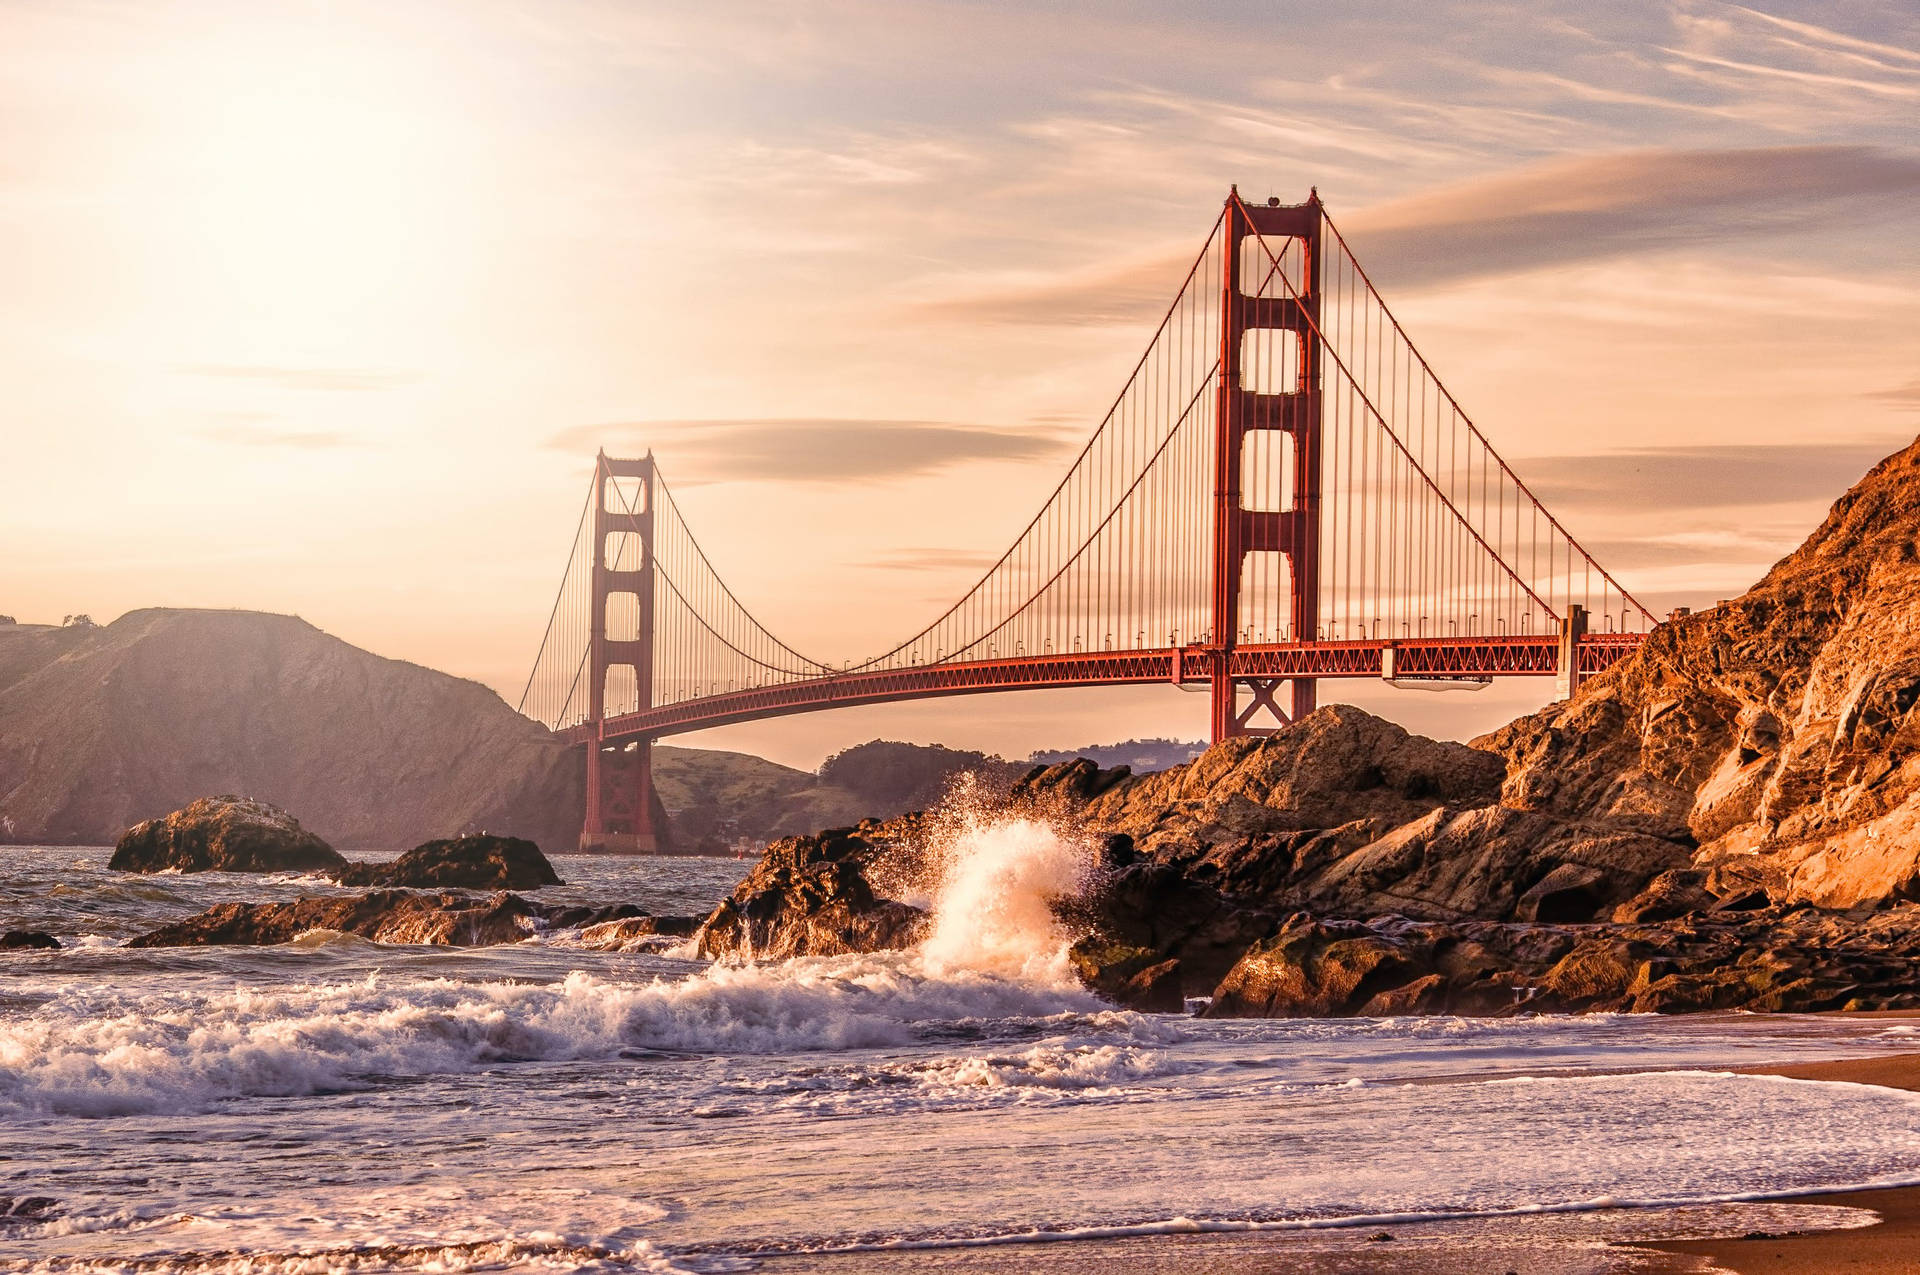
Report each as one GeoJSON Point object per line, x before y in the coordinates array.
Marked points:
{"type": "Point", "coordinates": [1892, 1245]}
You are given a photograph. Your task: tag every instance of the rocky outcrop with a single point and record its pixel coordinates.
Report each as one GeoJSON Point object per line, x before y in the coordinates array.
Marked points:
{"type": "Point", "coordinates": [28, 941]}
{"type": "Point", "coordinates": [816, 896]}
{"type": "Point", "coordinates": [1779, 732]}
{"type": "Point", "coordinates": [1348, 814]}
{"type": "Point", "coordinates": [1775, 961]}
{"type": "Point", "coordinates": [477, 862]}
{"type": "Point", "coordinates": [224, 834]}
{"type": "Point", "coordinates": [444, 919]}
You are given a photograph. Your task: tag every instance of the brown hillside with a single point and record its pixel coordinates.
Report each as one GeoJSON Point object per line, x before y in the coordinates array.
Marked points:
{"type": "Point", "coordinates": [102, 728]}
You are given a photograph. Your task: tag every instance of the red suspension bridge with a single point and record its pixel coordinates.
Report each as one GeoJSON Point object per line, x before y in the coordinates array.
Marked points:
{"type": "Point", "coordinates": [1282, 492]}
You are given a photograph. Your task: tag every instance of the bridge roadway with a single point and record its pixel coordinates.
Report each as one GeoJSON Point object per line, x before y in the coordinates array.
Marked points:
{"type": "Point", "coordinates": [1522, 656]}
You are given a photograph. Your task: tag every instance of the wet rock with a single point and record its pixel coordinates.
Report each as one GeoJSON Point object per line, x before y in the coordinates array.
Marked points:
{"type": "Point", "coordinates": [636, 934]}
{"type": "Point", "coordinates": [27, 941]}
{"type": "Point", "coordinates": [444, 918]}
{"type": "Point", "coordinates": [478, 862]}
{"type": "Point", "coordinates": [1132, 976]}
{"type": "Point", "coordinates": [224, 834]}
{"type": "Point", "coordinates": [1797, 961]}
{"type": "Point", "coordinates": [26, 1210]}
{"type": "Point", "coordinates": [812, 896]}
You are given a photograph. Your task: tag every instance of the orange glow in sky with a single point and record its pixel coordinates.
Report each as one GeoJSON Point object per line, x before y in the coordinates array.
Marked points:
{"type": "Point", "coordinates": [324, 307]}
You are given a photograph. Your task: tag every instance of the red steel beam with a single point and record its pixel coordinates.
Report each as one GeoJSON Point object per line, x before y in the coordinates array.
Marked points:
{"type": "Point", "coordinates": [1525, 656]}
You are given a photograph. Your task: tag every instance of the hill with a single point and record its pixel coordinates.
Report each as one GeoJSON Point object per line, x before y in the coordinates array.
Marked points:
{"type": "Point", "coordinates": [103, 727]}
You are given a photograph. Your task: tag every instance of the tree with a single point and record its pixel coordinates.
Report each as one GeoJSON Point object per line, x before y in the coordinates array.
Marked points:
{"type": "Point", "coordinates": [80, 622]}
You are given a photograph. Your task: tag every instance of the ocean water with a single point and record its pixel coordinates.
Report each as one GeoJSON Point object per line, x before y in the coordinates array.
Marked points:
{"type": "Point", "coordinates": [338, 1105]}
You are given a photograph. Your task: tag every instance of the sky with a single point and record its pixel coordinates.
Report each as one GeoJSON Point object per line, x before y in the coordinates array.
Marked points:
{"type": "Point", "coordinates": [324, 307]}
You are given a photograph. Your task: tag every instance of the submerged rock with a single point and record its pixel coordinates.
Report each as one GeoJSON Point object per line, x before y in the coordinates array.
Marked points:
{"type": "Point", "coordinates": [224, 834]}
{"type": "Point", "coordinates": [445, 919]}
{"type": "Point", "coordinates": [476, 862]}
{"type": "Point", "coordinates": [27, 941]}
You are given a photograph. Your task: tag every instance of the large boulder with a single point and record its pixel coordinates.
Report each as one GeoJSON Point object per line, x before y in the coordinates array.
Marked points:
{"type": "Point", "coordinates": [476, 862]}
{"type": "Point", "coordinates": [28, 941]}
{"type": "Point", "coordinates": [224, 834]}
{"type": "Point", "coordinates": [816, 896]}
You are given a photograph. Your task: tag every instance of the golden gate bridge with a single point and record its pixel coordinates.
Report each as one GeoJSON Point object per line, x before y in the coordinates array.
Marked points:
{"type": "Point", "coordinates": [1283, 491]}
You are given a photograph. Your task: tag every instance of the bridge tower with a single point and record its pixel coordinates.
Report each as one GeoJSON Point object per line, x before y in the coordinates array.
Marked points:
{"type": "Point", "coordinates": [1239, 411]}
{"type": "Point", "coordinates": [624, 814]}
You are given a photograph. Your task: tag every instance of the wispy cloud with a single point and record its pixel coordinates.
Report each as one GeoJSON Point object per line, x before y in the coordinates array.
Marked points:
{"type": "Point", "coordinates": [810, 450]}
{"type": "Point", "coordinates": [305, 378]}
{"type": "Point", "coordinates": [1561, 212]}
{"type": "Point", "coordinates": [1601, 206]}
{"type": "Point", "coordinates": [1907, 395]}
{"type": "Point", "coordinates": [1704, 477]}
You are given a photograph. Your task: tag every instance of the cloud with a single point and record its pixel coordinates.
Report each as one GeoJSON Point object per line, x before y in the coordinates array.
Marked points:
{"type": "Point", "coordinates": [1907, 396]}
{"type": "Point", "coordinates": [1601, 206]}
{"type": "Point", "coordinates": [305, 378]}
{"type": "Point", "coordinates": [244, 435]}
{"type": "Point", "coordinates": [811, 450]}
{"type": "Point", "coordinates": [1557, 213]}
{"type": "Point", "coordinates": [1662, 478]}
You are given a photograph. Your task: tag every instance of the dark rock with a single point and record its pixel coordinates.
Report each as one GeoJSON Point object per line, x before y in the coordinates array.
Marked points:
{"type": "Point", "coordinates": [224, 834]}
{"type": "Point", "coordinates": [636, 933]}
{"type": "Point", "coordinates": [1676, 893]}
{"type": "Point", "coordinates": [26, 1210]}
{"type": "Point", "coordinates": [812, 896]}
{"type": "Point", "coordinates": [476, 862]}
{"type": "Point", "coordinates": [27, 940]}
{"type": "Point", "coordinates": [445, 918]}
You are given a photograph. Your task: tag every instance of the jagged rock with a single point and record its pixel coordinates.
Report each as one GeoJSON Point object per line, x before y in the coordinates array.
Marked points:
{"type": "Point", "coordinates": [1677, 893]}
{"type": "Point", "coordinates": [1782, 728]}
{"type": "Point", "coordinates": [477, 862]}
{"type": "Point", "coordinates": [1151, 915]}
{"type": "Point", "coordinates": [27, 941]}
{"type": "Point", "coordinates": [445, 919]}
{"type": "Point", "coordinates": [224, 834]}
{"type": "Point", "coordinates": [1798, 961]}
{"type": "Point", "coordinates": [1315, 969]}
{"type": "Point", "coordinates": [811, 896]}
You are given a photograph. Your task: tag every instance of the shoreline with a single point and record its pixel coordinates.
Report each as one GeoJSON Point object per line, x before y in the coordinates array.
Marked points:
{"type": "Point", "coordinates": [1890, 1246]}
